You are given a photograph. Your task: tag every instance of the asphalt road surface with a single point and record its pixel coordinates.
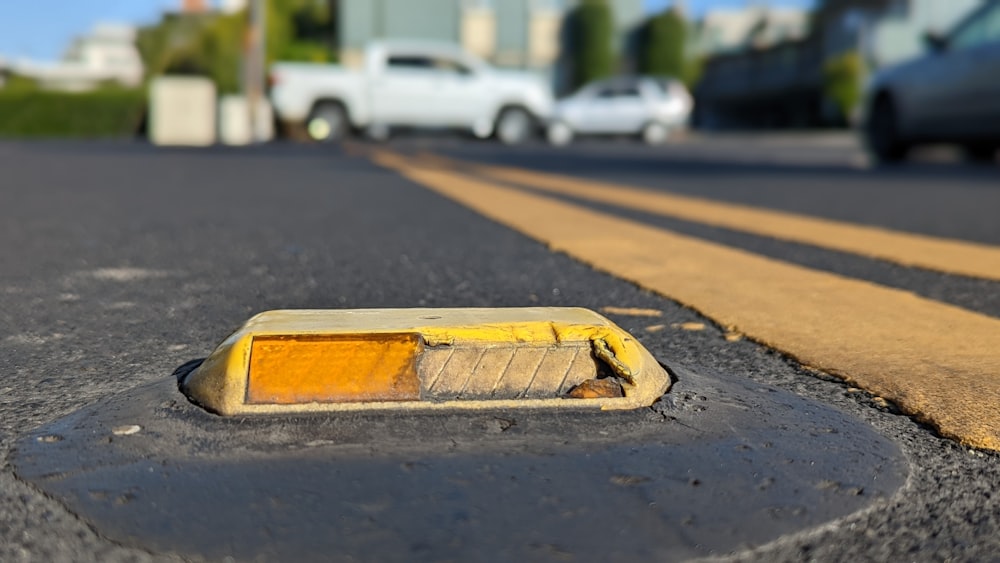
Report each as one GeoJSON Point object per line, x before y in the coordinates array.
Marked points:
{"type": "Point", "coordinates": [121, 262]}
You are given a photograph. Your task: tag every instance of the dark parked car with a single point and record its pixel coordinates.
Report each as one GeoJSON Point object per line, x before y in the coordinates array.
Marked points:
{"type": "Point", "coordinates": [949, 95]}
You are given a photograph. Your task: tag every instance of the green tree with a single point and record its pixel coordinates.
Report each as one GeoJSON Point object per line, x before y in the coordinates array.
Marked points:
{"type": "Point", "coordinates": [300, 30]}
{"type": "Point", "coordinates": [206, 46]}
{"type": "Point", "coordinates": [843, 77]}
{"type": "Point", "coordinates": [594, 31]}
{"type": "Point", "coordinates": [161, 45]}
{"type": "Point", "coordinates": [663, 46]}
{"type": "Point", "coordinates": [694, 67]}
{"type": "Point", "coordinates": [212, 44]}
{"type": "Point", "coordinates": [18, 83]}
{"type": "Point", "coordinates": [222, 46]}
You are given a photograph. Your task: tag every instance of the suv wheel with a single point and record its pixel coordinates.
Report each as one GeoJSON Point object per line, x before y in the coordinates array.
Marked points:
{"type": "Point", "coordinates": [560, 134]}
{"type": "Point", "coordinates": [882, 133]}
{"type": "Point", "coordinates": [655, 133]}
{"type": "Point", "coordinates": [980, 152]}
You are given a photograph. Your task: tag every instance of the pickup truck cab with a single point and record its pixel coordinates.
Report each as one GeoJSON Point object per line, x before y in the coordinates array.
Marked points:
{"type": "Point", "coordinates": [410, 84]}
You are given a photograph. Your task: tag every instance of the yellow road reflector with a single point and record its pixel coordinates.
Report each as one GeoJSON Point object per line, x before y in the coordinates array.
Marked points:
{"type": "Point", "coordinates": [300, 369]}
{"type": "Point", "coordinates": [332, 360]}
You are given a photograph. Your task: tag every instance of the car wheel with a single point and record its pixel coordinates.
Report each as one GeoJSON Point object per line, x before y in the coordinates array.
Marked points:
{"type": "Point", "coordinates": [514, 126]}
{"type": "Point", "coordinates": [980, 152]}
{"type": "Point", "coordinates": [560, 134]}
{"type": "Point", "coordinates": [655, 133]}
{"type": "Point", "coordinates": [882, 133]}
{"type": "Point", "coordinates": [327, 123]}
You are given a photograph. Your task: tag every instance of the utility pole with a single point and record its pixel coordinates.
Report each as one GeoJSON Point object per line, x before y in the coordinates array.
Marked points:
{"type": "Point", "coordinates": [255, 63]}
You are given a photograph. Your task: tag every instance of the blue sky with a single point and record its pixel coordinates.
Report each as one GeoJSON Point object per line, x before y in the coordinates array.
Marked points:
{"type": "Point", "coordinates": [41, 29]}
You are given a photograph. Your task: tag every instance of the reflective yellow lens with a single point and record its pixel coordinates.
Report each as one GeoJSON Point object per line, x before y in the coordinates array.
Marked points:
{"type": "Point", "coordinates": [288, 370]}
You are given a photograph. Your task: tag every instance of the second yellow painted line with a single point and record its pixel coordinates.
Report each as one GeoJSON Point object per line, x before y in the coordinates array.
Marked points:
{"type": "Point", "coordinates": [908, 249]}
{"type": "Point", "coordinates": [938, 362]}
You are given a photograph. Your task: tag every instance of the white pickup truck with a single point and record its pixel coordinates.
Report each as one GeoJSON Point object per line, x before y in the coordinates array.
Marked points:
{"type": "Point", "coordinates": [410, 84]}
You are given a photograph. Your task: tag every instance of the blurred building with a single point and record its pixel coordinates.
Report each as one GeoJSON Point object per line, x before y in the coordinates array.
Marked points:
{"type": "Point", "coordinates": [781, 84]}
{"type": "Point", "coordinates": [732, 30]}
{"type": "Point", "coordinates": [232, 6]}
{"type": "Point", "coordinates": [105, 55]}
{"type": "Point", "coordinates": [526, 34]}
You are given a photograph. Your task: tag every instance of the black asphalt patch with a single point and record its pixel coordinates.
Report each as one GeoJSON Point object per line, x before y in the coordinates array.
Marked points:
{"type": "Point", "coordinates": [718, 464]}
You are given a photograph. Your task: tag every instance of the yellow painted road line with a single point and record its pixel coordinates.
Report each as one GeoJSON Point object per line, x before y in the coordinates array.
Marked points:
{"type": "Point", "coordinates": [908, 249]}
{"type": "Point", "coordinates": [936, 361]}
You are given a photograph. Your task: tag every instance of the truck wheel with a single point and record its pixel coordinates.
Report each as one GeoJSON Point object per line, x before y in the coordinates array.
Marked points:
{"type": "Point", "coordinates": [327, 123]}
{"type": "Point", "coordinates": [514, 126]}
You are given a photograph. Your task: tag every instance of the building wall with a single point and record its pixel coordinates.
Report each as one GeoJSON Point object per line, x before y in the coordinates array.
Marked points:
{"type": "Point", "coordinates": [728, 30]}
{"type": "Point", "coordinates": [362, 21]}
{"type": "Point", "coordinates": [232, 6]}
{"type": "Point", "coordinates": [512, 32]}
{"type": "Point", "coordinates": [544, 28]}
{"type": "Point", "coordinates": [194, 6]}
{"type": "Point", "coordinates": [107, 53]}
{"type": "Point", "coordinates": [509, 33]}
{"type": "Point", "coordinates": [479, 31]}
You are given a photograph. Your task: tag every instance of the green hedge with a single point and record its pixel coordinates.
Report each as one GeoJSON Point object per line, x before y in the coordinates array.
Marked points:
{"type": "Point", "coordinates": [843, 80]}
{"type": "Point", "coordinates": [102, 113]}
{"type": "Point", "coordinates": [664, 38]}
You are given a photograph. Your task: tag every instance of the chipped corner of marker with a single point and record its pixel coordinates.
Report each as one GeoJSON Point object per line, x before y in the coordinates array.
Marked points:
{"type": "Point", "coordinates": [604, 353]}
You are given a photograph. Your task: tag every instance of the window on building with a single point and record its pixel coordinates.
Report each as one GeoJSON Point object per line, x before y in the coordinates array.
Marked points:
{"type": "Point", "coordinates": [477, 4]}
{"type": "Point", "coordinates": [548, 5]}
